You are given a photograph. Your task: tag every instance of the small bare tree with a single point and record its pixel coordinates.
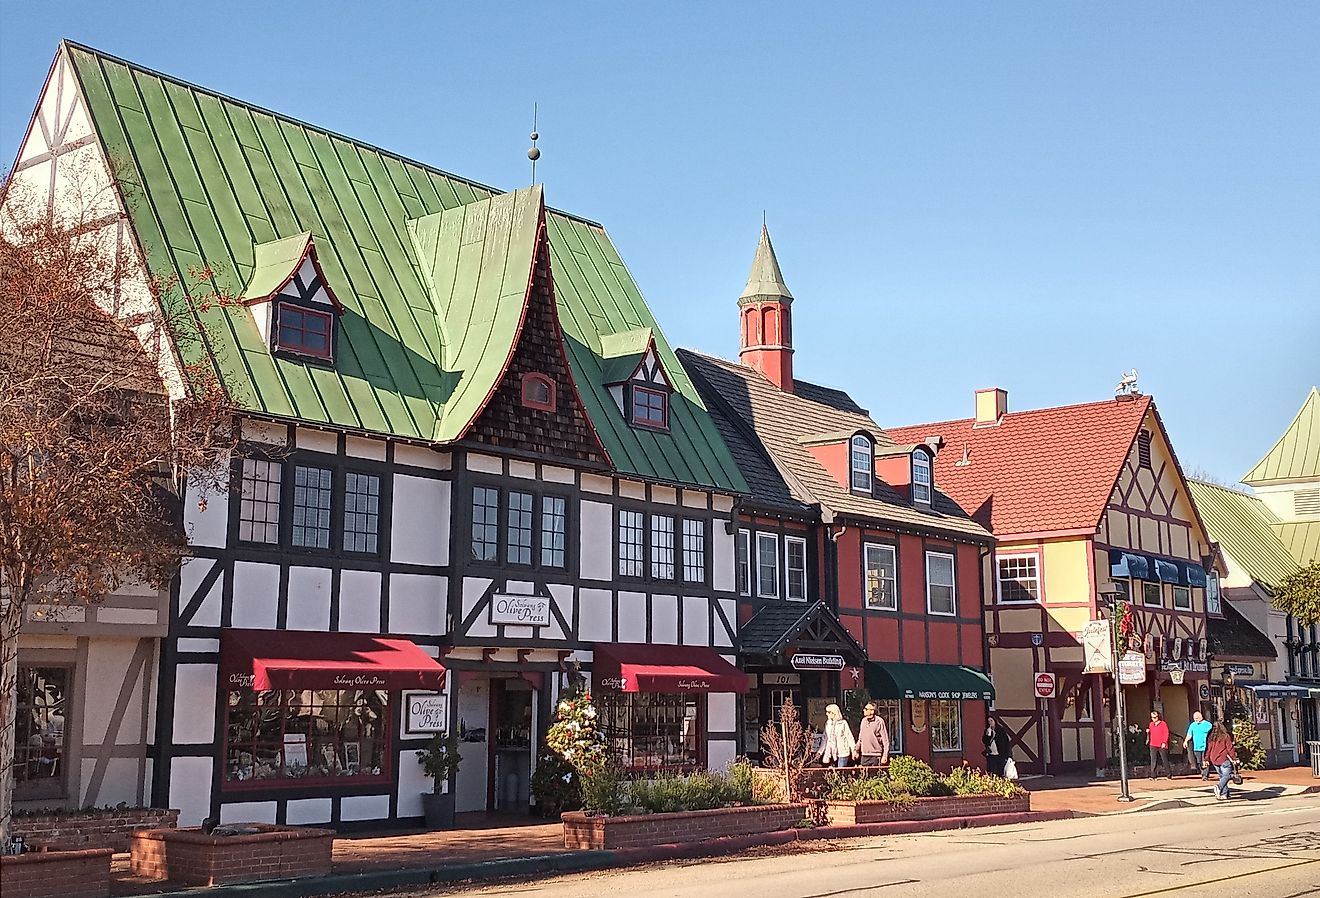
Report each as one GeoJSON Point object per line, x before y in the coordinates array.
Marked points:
{"type": "Point", "coordinates": [94, 449]}
{"type": "Point", "coordinates": [786, 748]}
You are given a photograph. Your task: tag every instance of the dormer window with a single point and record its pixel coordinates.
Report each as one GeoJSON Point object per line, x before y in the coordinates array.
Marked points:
{"type": "Point", "coordinates": [538, 392]}
{"type": "Point", "coordinates": [921, 477]}
{"type": "Point", "coordinates": [304, 331]}
{"type": "Point", "coordinates": [862, 464]}
{"type": "Point", "coordinates": [649, 408]}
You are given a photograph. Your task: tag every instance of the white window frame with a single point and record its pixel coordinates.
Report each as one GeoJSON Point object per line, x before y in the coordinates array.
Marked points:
{"type": "Point", "coordinates": [762, 541]}
{"type": "Point", "coordinates": [922, 491]}
{"type": "Point", "coordinates": [954, 741]}
{"type": "Point", "coordinates": [743, 560]}
{"type": "Point", "coordinates": [861, 443]}
{"type": "Point", "coordinates": [801, 595]}
{"type": "Point", "coordinates": [1186, 591]}
{"type": "Point", "coordinates": [952, 584]}
{"type": "Point", "coordinates": [631, 563]}
{"type": "Point", "coordinates": [693, 560]}
{"type": "Point", "coordinates": [1213, 604]}
{"type": "Point", "coordinates": [866, 576]}
{"type": "Point", "coordinates": [1035, 559]}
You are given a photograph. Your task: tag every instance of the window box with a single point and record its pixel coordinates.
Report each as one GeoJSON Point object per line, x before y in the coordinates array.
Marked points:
{"type": "Point", "coordinates": [261, 851]}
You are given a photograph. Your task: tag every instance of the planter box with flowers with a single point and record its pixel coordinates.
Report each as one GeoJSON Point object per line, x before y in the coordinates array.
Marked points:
{"type": "Point", "coordinates": [248, 852]}
{"type": "Point", "coordinates": [910, 790]}
{"type": "Point", "coordinates": [76, 873]}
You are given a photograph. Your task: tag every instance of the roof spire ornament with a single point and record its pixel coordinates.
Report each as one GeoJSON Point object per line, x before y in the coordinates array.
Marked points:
{"type": "Point", "coordinates": [534, 153]}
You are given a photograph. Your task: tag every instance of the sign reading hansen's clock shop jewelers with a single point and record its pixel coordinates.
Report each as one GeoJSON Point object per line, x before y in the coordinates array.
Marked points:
{"type": "Point", "coordinates": [816, 661]}
{"type": "Point", "coordinates": [527, 611]}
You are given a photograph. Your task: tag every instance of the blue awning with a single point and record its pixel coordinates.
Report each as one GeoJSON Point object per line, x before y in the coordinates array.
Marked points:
{"type": "Point", "coordinates": [1128, 564]}
{"type": "Point", "coordinates": [1168, 572]}
{"type": "Point", "coordinates": [1195, 574]}
{"type": "Point", "coordinates": [1148, 567]}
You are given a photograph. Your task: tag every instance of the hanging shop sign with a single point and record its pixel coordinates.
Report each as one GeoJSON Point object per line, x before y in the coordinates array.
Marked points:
{"type": "Point", "coordinates": [1168, 666]}
{"type": "Point", "coordinates": [1098, 647]}
{"type": "Point", "coordinates": [1204, 692]}
{"type": "Point", "coordinates": [1132, 669]}
{"type": "Point", "coordinates": [1240, 670]}
{"type": "Point", "coordinates": [527, 611]}
{"type": "Point", "coordinates": [425, 713]}
{"type": "Point", "coordinates": [1176, 677]}
{"type": "Point", "coordinates": [816, 661]}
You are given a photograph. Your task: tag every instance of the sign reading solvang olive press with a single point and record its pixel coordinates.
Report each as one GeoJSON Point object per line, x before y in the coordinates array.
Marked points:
{"type": "Point", "coordinates": [816, 661]}
{"type": "Point", "coordinates": [425, 712]}
{"type": "Point", "coordinates": [527, 611]}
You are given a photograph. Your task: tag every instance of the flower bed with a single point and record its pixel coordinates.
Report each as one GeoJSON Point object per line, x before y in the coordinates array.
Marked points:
{"type": "Point", "coordinates": [255, 852]}
{"type": "Point", "coordinates": [847, 813]}
{"type": "Point", "coordinates": [78, 873]}
{"type": "Point", "coordinates": [92, 828]}
{"type": "Point", "coordinates": [636, 830]}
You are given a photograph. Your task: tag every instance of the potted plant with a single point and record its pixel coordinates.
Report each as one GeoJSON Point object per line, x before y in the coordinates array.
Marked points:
{"type": "Point", "coordinates": [439, 759]}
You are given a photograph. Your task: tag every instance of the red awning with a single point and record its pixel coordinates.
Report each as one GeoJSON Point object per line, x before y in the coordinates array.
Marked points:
{"type": "Point", "coordinates": [298, 659]}
{"type": "Point", "coordinates": [628, 667]}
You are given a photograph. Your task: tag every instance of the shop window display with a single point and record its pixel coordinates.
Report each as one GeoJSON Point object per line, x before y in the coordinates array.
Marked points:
{"type": "Point", "coordinates": [649, 731]}
{"type": "Point", "coordinates": [39, 739]}
{"type": "Point", "coordinates": [285, 736]}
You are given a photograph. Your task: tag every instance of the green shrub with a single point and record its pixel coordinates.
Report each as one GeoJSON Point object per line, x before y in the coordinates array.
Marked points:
{"type": "Point", "coordinates": [742, 781]}
{"type": "Point", "coordinates": [911, 776]}
{"type": "Point", "coordinates": [864, 788]}
{"type": "Point", "coordinates": [699, 791]}
{"type": "Point", "coordinates": [971, 781]}
{"type": "Point", "coordinates": [603, 791]}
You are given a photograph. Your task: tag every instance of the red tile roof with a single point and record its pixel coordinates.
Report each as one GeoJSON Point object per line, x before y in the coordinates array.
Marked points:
{"type": "Point", "coordinates": [1050, 469]}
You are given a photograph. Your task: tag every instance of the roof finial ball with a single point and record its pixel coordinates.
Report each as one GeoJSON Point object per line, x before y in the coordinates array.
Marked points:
{"type": "Point", "coordinates": [534, 153]}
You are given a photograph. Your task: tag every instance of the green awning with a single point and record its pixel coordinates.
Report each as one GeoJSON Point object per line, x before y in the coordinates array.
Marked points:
{"type": "Point", "coordinates": [927, 681]}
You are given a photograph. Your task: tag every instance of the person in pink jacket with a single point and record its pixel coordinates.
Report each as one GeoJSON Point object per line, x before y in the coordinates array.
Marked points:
{"type": "Point", "coordinates": [1157, 737]}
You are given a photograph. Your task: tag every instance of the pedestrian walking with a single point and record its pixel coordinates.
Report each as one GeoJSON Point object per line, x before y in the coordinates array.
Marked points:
{"type": "Point", "coordinates": [838, 748]}
{"type": "Point", "coordinates": [998, 747]}
{"type": "Point", "coordinates": [872, 738]}
{"type": "Point", "coordinates": [1157, 737]}
{"type": "Point", "coordinates": [1198, 731]}
{"type": "Point", "coordinates": [1221, 755]}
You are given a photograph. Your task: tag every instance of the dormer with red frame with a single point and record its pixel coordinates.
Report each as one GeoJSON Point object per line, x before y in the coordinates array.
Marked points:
{"type": "Point", "coordinates": [292, 304]}
{"type": "Point", "coordinates": [637, 379]}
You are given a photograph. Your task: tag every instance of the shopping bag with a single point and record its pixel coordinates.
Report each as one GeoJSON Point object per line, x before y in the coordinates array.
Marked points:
{"type": "Point", "coordinates": [1236, 778]}
{"type": "Point", "coordinates": [1010, 769]}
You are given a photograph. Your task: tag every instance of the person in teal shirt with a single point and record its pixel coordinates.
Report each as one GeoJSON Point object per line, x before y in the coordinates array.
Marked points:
{"type": "Point", "coordinates": [1198, 731]}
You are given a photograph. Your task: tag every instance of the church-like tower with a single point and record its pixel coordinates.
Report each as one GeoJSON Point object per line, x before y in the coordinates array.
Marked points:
{"type": "Point", "coordinates": [766, 310]}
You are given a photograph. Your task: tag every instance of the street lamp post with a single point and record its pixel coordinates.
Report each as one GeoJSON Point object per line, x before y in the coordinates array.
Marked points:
{"type": "Point", "coordinates": [1108, 593]}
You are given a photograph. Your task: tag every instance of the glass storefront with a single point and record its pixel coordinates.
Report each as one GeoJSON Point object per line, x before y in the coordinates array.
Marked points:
{"type": "Point", "coordinates": [651, 731]}
{"type": "Point", "coordinates": [39, 750]}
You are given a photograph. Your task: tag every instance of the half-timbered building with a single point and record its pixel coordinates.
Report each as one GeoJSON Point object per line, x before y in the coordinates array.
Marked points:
{"type": "Point", "coordinates": [1078, 497]}
{"type": "Point", "coordinates": [856, 574]}
{"type": "Point", "coordinates": [471, 470]}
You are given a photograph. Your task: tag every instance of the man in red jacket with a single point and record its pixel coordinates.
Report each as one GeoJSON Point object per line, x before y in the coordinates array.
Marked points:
{"type": "Point", "coordinates": [1157, 737]}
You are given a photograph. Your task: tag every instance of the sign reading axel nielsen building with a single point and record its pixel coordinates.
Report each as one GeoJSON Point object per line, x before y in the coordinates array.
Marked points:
{"type": "Point", "coordinates": [527, 611]}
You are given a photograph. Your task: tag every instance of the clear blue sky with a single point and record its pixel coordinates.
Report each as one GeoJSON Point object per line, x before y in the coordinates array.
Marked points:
{"type": "Point", "coordinates": [1034, 196]}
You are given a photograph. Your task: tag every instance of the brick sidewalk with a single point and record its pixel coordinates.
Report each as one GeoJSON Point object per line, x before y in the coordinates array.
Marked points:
{"type": "Point", "coordinates": [1088, 795]}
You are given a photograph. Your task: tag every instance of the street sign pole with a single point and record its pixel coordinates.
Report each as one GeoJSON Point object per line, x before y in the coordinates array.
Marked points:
{"type": "Point", "coordinates": [1121, 710]}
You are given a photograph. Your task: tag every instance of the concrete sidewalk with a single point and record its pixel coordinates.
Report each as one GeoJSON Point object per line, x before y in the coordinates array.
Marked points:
{"type": "Point", "coordinates": [1088, 795]}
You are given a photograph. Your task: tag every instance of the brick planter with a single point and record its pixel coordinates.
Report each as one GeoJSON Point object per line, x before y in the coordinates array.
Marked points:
{"type": "Point", "coordinates": [98, 829]}
{"type": "Point", "coordinates": [79, 873]}
{"type": "Point", "coordinates": [847, 813]}
{"type": "Point", "coordinates": [189, 857]}
{"type": "Point", "coordinates": [581, 831]}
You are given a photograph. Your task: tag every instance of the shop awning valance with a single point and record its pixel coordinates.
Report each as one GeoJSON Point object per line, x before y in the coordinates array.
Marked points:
{"type": "Point", "coordinates": [297, 659]}
{"type": "Point", "coordinates": [669, 669]}
{"type": "Point", "coordinates": [1147, 567]}
{"type": "Point", "coordinates": [927, 681]}
{"type": "Point", "coordinates": [1274, 690]}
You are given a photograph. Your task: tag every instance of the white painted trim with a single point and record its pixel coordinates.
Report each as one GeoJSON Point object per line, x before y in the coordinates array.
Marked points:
{"type": "Point", "coordinates": [953, 576]}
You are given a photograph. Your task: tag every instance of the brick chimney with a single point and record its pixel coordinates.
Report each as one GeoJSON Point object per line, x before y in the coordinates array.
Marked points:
{"type": "Point", "coordinates": [991, 406]}
{"type": "Point", "coordinates": [765, 310]}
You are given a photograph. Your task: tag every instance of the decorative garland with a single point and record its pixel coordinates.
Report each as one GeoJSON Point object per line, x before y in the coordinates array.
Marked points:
{"type": "Point", "coordinates": [575, 735]}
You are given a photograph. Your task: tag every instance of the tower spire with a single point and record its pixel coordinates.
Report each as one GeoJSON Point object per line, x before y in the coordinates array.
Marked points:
{"type": "Point", "coordinates": [765, 309]}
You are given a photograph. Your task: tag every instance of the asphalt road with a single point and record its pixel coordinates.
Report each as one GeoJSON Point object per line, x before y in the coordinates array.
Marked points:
{"type": "Point", "coordinates": [1236, 849]}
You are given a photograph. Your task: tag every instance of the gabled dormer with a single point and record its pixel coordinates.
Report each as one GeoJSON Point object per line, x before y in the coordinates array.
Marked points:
{"type": "Point", "coordinates": [910, 469]}
{"type": "Point", "coordinates": [636, 378]}
{"type": "Point", "coordinates": [292, 304]}
{"type": "Point", "coordinates": [846, 455]}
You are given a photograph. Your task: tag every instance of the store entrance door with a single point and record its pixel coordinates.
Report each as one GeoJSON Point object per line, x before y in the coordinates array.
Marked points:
{"type": "Point", "coordinates": [508, 787]}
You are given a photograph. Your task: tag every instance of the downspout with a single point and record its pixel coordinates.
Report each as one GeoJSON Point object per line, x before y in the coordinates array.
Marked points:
{"type": "Point", "coordinates": [831, 559]}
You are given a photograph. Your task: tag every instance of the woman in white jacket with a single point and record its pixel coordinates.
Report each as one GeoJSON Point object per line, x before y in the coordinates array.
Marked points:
{"type": "Point", "coordinates": [838, 748]}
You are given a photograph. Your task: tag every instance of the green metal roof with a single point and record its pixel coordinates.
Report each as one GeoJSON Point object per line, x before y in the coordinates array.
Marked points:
{"type": "Point", "coordinates": [623, 352]}
{"type": "Point", "coordinates": [274, 263]}
{"type": "Point", "coordinates": [207, 180]}
{"type": "Point", "coordinates": [895, 679]}
{"type": "Point", "coordinates": [765, 281]}
{"type": "Point", "coordinates": [1296, 456]}
{"type": "Point", "coordinates": [1302, 539]}
{"type": "Point", "coordinates": [1245, 529]}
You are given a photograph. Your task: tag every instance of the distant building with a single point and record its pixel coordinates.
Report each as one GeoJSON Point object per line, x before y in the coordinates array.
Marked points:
{"type": "Point", "coordinates": [1078, 496]}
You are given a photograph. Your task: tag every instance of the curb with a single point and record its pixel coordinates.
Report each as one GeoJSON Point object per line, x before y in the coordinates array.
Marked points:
{"type": "Point", "coordinates": [583, 861]}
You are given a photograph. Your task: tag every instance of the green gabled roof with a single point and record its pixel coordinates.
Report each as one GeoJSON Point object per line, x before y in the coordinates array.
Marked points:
{"type": "Point", "coordinates": [1302, 539]}
{"type": "Point", "coordinates": [206, 179]}
{"type": "Point", "coordinates": [1296, 456]}
{"type": "Point", "coordinates": [477, 261]}
{"type": "Point", "coordinates": [623, 352]}
{"type": "Point", "coordinates": [274, 262]}
{"type": "Point", "coordinates": [1245, 529]}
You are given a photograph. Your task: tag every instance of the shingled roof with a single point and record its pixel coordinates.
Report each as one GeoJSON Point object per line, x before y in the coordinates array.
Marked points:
{"type": "Point", "coordinates": [1038, 471]}
{"type": "Point", "coordinates": [772, 424]}
{"type": "Point", "coordinates": [206, 179]}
